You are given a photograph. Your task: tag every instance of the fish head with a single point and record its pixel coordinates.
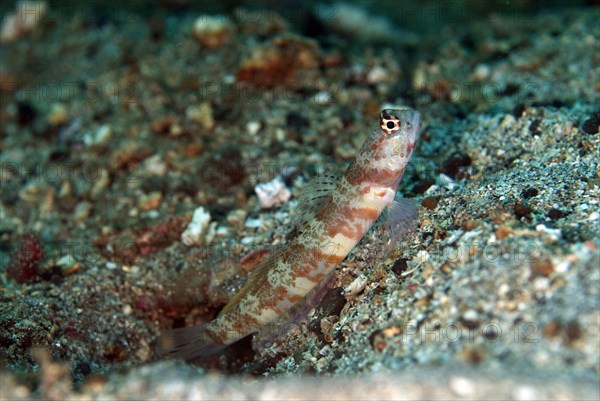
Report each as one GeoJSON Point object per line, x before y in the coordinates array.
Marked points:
{"type": "Point", "coordinates": [387, 150]}
{"type": "Point", "coordinates": [399, 132]}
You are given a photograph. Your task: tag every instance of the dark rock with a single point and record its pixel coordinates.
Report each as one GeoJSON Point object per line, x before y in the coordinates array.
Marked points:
{"type": "Point", "coordinates": [26, 114]}
{"type": "Point", "coordinates": [455, 162]}
{"type": "Point", "coordinates": [530, 192]}
{"type": "Point", "coordinates": [592, 125]}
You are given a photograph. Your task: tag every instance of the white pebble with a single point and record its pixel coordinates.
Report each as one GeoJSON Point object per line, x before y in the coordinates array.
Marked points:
{"type": "Point", "coordinates": [482, 72]}
{"type": "Point", "coordinates": [212, 30]}
{"type": "Point", "coordinates": [503, 289]}
{"type": "Point", "coordinates": [471, 315]}
{"type": "Point", "coordinates": [247, 240]}
{"type": "Point", "coordinates": [155, 166]}
{"type": "Point", "coordinates": [553, 233]}
{"type": "Point", "coordinates": [446, 182]}
{"type": "Point", "coordinates": [211, 232]}
{"type": "Point", "coordinates": [541, 283]}
{"type": "Point", "coordinates": [356, 286]}
{"type": "Point", "coordinates": [253, 223]}
{"type": "Point", "coordinates": [526, 393]}
{"type": "Point", "coordinates": [272, 193]}
{"type": "Point", "coordinates": [432, 189]}
{"type": "Point", "coordinates": [253, 127]}
{"type": "Point", "coordinates": [562, 266]}
{"type": "Point", "coordinates": [422, 256]}
{"type": "Point", "coordinates": [66, 261]}
{"type": "Point", "coordinates": [455, 236]}
{"type": "Point", "coordinates": [462, 386]}
{"type": "Point", "coordinates": [197, 227]}
{"type": "Point", "coordinates": [376, 75]}
{"type": "Point", "coordinates": [323, 97]}
{"type": "Point", "coordinates": [100, 137]}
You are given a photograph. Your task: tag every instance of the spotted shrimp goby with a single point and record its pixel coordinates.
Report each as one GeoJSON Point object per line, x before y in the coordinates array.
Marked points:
{"type": "Point", "coordinates": [336, 217]}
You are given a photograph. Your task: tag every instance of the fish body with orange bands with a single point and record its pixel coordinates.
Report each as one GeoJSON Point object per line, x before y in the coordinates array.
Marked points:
{"type": "Point", "coordinates": [337, 221]}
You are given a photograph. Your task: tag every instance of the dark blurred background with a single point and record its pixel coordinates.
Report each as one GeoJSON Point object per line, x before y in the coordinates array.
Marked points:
{"type": "Point", "coordinates": [413, 15]}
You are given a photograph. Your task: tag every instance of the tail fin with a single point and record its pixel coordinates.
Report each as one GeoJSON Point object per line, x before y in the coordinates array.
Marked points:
{"type": "Point", "coordinates": [188, 343]}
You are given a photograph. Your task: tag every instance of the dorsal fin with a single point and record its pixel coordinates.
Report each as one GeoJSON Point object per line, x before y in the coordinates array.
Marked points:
{"type": "Point", "coordinates": [313, 196]}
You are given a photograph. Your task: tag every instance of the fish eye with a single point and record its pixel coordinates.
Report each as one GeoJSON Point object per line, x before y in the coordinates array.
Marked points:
{"type": "Point", "coordinates": [389, 124]}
